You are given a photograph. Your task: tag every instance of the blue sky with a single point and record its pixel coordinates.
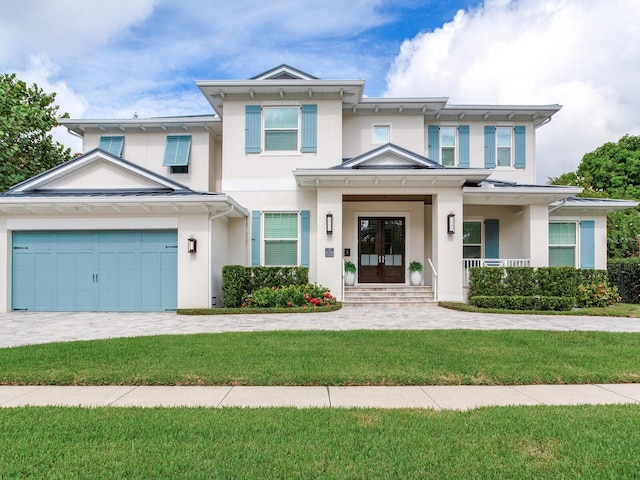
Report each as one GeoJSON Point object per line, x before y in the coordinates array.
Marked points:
{"type": "Point", "coordinates": [117, 58]}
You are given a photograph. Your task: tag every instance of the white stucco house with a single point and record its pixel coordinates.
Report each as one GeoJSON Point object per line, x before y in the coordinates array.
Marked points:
{"type": "Point", "coordinates": [289, 169]}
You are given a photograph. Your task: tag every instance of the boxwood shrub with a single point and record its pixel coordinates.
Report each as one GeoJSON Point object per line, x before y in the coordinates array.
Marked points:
{"type": "Point", "coordinates": [238, 281]}
{"type": "Point", "coordinates": [518, 302]}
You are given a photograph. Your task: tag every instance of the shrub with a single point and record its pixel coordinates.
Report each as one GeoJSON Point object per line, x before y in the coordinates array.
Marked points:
{"type": "Point", "coordinates": [485, 281]}
{"type": "Point", "coordinates": [235, 284]}
{"type": "Point", "coordinates": [597, 295]}
{"type": "Point", "coordinates": [238, 280]}
{"type": "Point", "coordinates": [625, 274]}
{"type": "Point", "coordinates": [557, 281]}
{"type": "Point", "coordinates": [289, 296]}
{"type": "Point", "coordinates": [520, 281]}
{"type": "Point", "coordinates": [523, 302]}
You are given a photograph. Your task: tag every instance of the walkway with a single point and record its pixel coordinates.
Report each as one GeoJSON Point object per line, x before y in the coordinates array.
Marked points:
{"type": "Point", "coordinates": [22, 328]}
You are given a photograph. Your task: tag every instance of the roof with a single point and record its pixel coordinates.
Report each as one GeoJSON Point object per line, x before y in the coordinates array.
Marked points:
{"type": "Point", "coordinates": [388, 156]}
{"type": "Point", "coordinates": [119, 126]}
{"type": "Point", "coordinates": [581, 205]}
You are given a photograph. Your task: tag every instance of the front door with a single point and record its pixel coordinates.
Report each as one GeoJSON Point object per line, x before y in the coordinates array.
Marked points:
{"type": "Point", "coordinates": [381, 250]}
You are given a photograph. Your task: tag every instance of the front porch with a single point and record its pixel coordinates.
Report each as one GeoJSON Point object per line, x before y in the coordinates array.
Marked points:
{"type": "Point", "coordinates": [468, 263]}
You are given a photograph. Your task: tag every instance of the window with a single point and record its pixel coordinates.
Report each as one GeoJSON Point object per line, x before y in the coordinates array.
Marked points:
{"type": "Point", "coordinates": [113, 145]}
{"type": "Point", "coordinates": [381, 134]}
{"type": "Point", "coordinates": [503, 143]}
{"type": "Point", "coordinates": [562, 244]}
{"type": "Point", "coordinates": [281, 238]}
{"type": "Point", "coordinates": [448, 146]}
{"type": "Point", "coordinates": [281, 128]}
{"type": "Point", "coordinates": [176, 153]}
{"type": "Point", "coordinates": [472, 239]}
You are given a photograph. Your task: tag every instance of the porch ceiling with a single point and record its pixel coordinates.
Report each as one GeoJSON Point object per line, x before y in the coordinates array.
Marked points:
{"type": "Point", "coordinates": [426, 199]}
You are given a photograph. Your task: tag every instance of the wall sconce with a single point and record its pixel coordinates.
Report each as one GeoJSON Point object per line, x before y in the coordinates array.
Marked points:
{"type": "Point", "coordinates": [451, 223]}
{"type": "Point", "coordinates": [192, 245]}
{"type": "Point", "coordinates": [329, 220]}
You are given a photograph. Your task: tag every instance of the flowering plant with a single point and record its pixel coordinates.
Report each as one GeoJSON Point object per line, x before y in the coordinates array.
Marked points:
{"type": "Point", "coordinates": [597, 295]}
{"type": "Point", "coordinates": [309, 295]}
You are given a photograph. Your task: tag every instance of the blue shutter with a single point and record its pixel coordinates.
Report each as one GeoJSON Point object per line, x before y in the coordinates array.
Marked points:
{"type": "Point", "coordinates": [463, 150]}
{"type": "Point", "coordinates": [491, 239]}
{"type": "Point", "coordinates": [489, 147]}
{"type": "Point", "coordinates": [309, 128]}
{"type": "Point", "coordinates": [587, 244]}
{"type": "Point", "coordinates": [252, 125]}
{"type": "Point", "coordinates": [305, 228]}
{"type": "Point", "coordinates": [434, 143]}
{"type": "Point", "coordinates": [176, 153]}
{"type": "Point", "coordinates": [255, 238]}
{"type": "Point", "coordinates": [520, 141]}
{"type": "Point", "coordinates": [113, 145]}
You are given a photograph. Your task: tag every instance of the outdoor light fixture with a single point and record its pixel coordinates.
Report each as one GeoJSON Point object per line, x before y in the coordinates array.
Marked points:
{"type": "Point", "coordinates": [192, 245]}
{"type": "Point", "coordinates": [451, 223]}
{"type": "Point", "coordinates": [329, 223]}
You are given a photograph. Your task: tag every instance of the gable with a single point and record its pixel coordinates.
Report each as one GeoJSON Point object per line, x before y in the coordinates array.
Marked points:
{"type": "Point", "coordinates": [284, 72]}
{"type": "Point", "coordinates": [389, 156]}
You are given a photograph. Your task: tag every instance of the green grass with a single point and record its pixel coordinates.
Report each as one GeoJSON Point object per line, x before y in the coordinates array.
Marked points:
{"type": "Point", "coordinates": [617, 310]}
{"type": "Point", "coordinates": [427, 357]}
{"type": "Point", "coordinates": [487, 443]}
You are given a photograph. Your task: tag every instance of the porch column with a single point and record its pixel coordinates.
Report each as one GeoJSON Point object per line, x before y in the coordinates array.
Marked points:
{"type": "Point", "coordinates": [329, 246]}
{"type": "Point", "coordinates": [447, 247]}
{"type": "Point", "coordinates": [536, 234]}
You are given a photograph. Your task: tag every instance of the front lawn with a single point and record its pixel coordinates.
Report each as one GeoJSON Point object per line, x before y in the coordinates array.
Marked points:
{"type": "Point", "coordinates": [616, 310]}
{"type": "Point", "coordinates": [424, 357]}
{"type": "Point", "coordinates": [487, 443]}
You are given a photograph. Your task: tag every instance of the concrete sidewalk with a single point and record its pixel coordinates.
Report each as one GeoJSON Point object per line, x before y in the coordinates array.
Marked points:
{"type": "Point", "coordinates": [435, 397]}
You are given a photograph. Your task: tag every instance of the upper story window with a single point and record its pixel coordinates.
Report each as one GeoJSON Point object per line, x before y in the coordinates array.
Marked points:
{"type": "Point", "coordinates": [381, 133]}
{"type": "Point", "coordinates": [505, 146]}
{"type": "Point", "coordinates": [283, 128]}
{"type": "Point", "coordinates": [176, 153]}
{"type": "Point", "coordinates": [112, 144]}
{"type": "Point", "coordinates": [449, 145]}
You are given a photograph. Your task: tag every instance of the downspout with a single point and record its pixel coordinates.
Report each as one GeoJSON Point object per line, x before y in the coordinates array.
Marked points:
{"type": "Point", "coordinates": [562, 203]}
{"type": "Point", "coordinates": [211, 219]}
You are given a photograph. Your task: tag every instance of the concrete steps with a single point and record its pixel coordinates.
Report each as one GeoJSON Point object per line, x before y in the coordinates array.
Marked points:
{"type": "Point", "coordinates": [388, 295]}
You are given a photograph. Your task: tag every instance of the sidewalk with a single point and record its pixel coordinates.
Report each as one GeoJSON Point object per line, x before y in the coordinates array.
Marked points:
{"type": "Point", "coordinates": [435, 397]}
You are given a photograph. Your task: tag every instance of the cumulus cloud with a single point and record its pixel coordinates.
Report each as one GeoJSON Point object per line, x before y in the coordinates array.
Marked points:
{"type": "Point", "coordinates": [579, 53]}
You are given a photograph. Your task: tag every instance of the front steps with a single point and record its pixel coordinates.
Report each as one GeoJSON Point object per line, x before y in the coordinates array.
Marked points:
{"type": "Point", "coordinates": [388, 295]}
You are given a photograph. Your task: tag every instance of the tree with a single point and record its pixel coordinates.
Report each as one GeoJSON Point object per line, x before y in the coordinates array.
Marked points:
{"type": "Point", "coordinates": [613, 171]}
{"type": "Point", "coordinates": [27, 115]}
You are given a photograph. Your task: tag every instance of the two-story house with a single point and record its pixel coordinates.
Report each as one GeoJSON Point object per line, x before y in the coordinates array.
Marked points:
{"type": "Point", "coordinates": [312, 173]}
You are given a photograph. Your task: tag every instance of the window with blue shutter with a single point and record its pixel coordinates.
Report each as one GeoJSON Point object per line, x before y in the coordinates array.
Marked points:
{"type": "Point", "coordinates": [463, 150]}
{"type": "Point", "coordinates": [587, 244]}
{"type": "Point", "coordinates": [309, 128]}
{"type": "Point", "coordinates": [491, 239]}
{"type": "Point", "coordinates": [519, 142]}
{"type": "Point", "coordinates": [433, 138]}
{"type": "Point", "coordinates": [113, 145]}
{"type": "Point", "coordinates": [255, 238]}
{"type": "Point", "coordinates": [176, 153]}
{"type": "Point", "coordinates": [489, 147]}
{"type": "Point", "coordinates": [253, 128]}
{"type": "Point", "coordinates": [305, 234]}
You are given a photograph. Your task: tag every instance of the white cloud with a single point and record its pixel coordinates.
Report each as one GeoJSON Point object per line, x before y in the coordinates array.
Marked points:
{"type": "Point", "coordinates": [582, 54]}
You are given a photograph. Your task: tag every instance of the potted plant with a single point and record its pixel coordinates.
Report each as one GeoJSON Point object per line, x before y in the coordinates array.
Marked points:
{"type": "Point", "coordinates": [415, 273]}
{"type": "Point", "coordinates": [349, 273]}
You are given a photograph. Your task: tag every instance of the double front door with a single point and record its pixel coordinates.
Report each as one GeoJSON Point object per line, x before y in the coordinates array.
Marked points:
{"type": "Point", "coordinates": [381, 256]}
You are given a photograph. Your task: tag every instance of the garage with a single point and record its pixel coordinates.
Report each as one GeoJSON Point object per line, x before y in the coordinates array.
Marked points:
{"type": "Point", "coordinates": [109, 270]}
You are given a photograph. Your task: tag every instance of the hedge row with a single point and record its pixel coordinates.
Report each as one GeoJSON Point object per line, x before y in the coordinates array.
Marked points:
{"type": "Point", "coordinates": [523, 302]}
{"type": "Point", "coordinates": [625, 274]}
{"type": "Point", "coordinates": [238, 281]}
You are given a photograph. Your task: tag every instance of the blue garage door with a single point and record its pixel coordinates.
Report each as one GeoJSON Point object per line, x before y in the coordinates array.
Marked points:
{"type": "Point", "coordinates": [95, 271]}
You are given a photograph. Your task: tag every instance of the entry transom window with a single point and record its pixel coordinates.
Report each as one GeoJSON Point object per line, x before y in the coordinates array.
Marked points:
{"type": "Point", "coordinates": [281, 238]}
{"type": "Point", "coordinates": [562, 244]}
{"type": "Point", "coordinates": [448, 146]}
{"type": "Point", "coordinates": [503, 144]}
{"type": "Point", "coordinates": [472, 239]}
{"type": "Point", "coordinates": [381, 134]}
{"type": "Point", "coordinates": [281, 128]}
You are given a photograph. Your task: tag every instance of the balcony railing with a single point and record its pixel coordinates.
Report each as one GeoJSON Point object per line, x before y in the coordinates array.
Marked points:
{"type": "Point", "coordinates": [491, 262]}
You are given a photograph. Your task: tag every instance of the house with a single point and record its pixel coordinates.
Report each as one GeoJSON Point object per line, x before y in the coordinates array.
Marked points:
{"type": "Point", "coordinates": [313, 173]}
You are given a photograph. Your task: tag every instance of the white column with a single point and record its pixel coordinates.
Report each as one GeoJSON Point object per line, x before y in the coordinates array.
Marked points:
{"type": "Point", "coordinates": [447, 247]}
{"type": "Point", "coordinates": [536, 234]}
{"type": "Point", "coordinates": [329, 268]}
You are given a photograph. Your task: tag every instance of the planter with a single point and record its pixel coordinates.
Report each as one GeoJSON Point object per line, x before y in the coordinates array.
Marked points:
{"type": "Point", "coordinates": [349, 278]}
{"type": "Point", "coordinates": [415, 278]}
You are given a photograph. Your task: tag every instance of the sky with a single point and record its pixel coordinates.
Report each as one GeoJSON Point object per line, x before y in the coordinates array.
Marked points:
{"type": "Point", "coordinates": [120, 58]}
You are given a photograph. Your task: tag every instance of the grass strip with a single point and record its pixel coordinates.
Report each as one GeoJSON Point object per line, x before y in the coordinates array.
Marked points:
{"type": "Point", "coordinates": [425, 357]}
{"type": "Point", "coordinates": [487, 443]}
{"type": "Point", "coordinates": [628, 310]}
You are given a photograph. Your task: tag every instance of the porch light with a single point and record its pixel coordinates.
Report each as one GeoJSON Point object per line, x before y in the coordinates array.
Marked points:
{"type": "Point", "coordinates": [329, 223]}
{"type": "Point", "coordinates": [451, 223]}
{"type": "Point", "coordinates": [192, 245]}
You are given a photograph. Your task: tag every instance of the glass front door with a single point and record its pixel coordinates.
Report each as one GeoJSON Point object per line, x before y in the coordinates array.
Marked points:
{"type": "Point", "coordinates": [381, 250]}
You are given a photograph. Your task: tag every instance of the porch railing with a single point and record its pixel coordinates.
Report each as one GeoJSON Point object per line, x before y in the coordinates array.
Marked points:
{"type": "Point", "coordinates": [491, 262]}
{"type": "Point", "coordinates": [435, 280]}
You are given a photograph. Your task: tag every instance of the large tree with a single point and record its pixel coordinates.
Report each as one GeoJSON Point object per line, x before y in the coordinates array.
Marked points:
{"type": "Point", "coordinates": [27, 115]}
{"type": "Point", "coordinates": [613, 171]}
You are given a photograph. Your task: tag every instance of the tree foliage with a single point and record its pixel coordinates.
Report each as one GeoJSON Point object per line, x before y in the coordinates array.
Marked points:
{"type": "Point", "coordinates": [27, 115]}
{"type": "Point", "coordinates": [612, 171]}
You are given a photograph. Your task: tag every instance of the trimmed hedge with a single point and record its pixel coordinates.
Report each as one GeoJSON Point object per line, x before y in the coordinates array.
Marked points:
{"type": "Point", "coordinates": [238, 280]}
{"type": "Point", "coordinates": [517, 302]}
{"type": "Point", "coordinates": [624, 273]}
